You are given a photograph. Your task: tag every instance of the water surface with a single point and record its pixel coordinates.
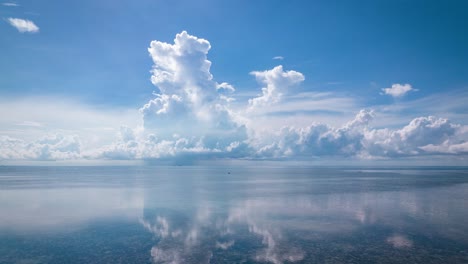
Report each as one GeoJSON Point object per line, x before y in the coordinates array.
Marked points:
{"type": "Point", "coordinates": [233, 215]}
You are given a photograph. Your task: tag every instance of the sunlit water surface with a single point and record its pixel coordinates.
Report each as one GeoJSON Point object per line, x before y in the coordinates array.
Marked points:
{"type": "Point", "coordinates": [233, 215]}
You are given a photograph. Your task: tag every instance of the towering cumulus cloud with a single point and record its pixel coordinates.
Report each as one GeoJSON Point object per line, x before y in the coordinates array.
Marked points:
{"type": "Point", "coordinates": [192, 116]}
{"type": "Point", "coordinates": [188, 95]}
{"type": "Point", "coordinates": [189, 117]}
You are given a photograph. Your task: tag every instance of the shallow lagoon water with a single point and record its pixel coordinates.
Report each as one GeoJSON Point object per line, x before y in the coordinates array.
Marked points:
{"type": "Point", "coordinates": [151, 214]}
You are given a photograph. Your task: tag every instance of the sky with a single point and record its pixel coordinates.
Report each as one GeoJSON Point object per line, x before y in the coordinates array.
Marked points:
{"type": "Point", "coordinates": [318, 82]}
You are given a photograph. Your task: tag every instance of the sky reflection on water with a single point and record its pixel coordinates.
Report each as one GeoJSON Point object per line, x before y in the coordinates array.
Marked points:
{"type": "Point", "coordinates": [204, 215]}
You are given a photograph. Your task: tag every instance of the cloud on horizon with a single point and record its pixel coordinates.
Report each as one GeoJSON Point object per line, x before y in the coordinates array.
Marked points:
{"type": "Point", "coordinates": [192, 117]}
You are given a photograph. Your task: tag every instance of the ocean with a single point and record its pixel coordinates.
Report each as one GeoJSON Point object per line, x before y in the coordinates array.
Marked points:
{"type": "Point", "coordinates": [222, 214]}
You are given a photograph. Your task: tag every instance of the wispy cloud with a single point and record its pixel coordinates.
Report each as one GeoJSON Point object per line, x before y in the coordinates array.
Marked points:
{"type": "Point", "coordinates": [10, 4]}
{"type": "Point", "coordinates": [30, 124]}
{"type": "Point", "coordinates": [23, 25]}
{"type": "Point", "coordinates": [278, 58]}
{"type": "Point", "coordinates": [451, 105]}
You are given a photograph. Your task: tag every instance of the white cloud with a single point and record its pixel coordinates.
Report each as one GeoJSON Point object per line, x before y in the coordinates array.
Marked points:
{"type": "Point", "coordinates": [303, 102]}
{"type": "Point", "coordinates": [316, 140]}
{"type": "Point", "coordinates": [10, 4]}
{"type": "Point", "coordinates": [182, 150]}
{"type": "Point", "coordinates": [277, 82]}
{"type": "Point", "coordinates": [52, 147]}
{"type": "Point", "coordinates": [451, 105]}
{"type": "Point", "coordinates": [226, 90]}
{"type": "Point", "coordinates": [301, 110]}
{"type": "Point", "coordinates": [23, 25]}
{"type": "Point", "coordinates": [398, 90]}
{"type": "Point", "coordinates": [193, 117]}
{"type": "Point", "coordinates": [225, 86]}
{"type": "Point", "coordinates": [422, 136]}
{"type": "Point", "coordinates": [447, 148]}
{"type": "Point", "coordinates": [190, 103]}
{"type": "Point", "coordinates": [181, 71]}
{"type": "Point", "coordinates": [31, 118]}
{"type": "Point", "coordinates": [30, 124]}
{"type": "Point", "coordinates": [278, 58]}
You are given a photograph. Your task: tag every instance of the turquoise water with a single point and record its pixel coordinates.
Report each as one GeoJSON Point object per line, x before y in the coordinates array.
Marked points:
{"type": "Point", "coordinates": [233, 215]}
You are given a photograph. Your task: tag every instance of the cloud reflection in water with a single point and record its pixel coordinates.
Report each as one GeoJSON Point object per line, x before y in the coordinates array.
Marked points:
{"type": "Point", "coordinates": [285, 229]}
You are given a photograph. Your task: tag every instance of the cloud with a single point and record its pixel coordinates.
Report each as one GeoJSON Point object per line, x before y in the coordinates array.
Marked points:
{"type": "Point", "coordinates": [192, 116]}
{"type": "Point", "coordinates": [446, 148]}
{"type": "Point", "coordinates": [52, 147]}
{"type": "Point", "coordinates": [23, 25]}
{"type": "Point", "coordinates": [30, 124]}
{"type": "Point", "coordinates": [188, 94]}
{"type": "Point", "coordinates": [320, 139]}
{"type": "Point", "coordinates": [302, 109]}
{"type": "Point", "coordinates": [31, 118]}
{"type": "Point", "coordinates": [422, 136]}
{"type": "Point", "coordinates": [278, 58]}
{"type": "Point", "coordinates": [277, 82]}
{"type": "Point", "coordinates": [225, 86]}
{"type": "Point", "coordinates": [398, 90]}
{"type": "Point", "coordinates": [10, 4]}
{"type": "Point", "coordinates": [191, 113]}
{"type": "Point", "coordinates": [316, 140]}
{"type": "Point", "coordinates": [450, 105]}
{"type": "Point", "coordinates": [182, 150]}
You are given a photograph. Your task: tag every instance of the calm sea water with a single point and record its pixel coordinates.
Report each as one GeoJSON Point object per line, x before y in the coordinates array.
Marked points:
{"type": "Point", "coordinates": [233, 215]}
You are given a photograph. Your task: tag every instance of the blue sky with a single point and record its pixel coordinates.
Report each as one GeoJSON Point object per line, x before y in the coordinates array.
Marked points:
{"type": "Point", "coordinates": [76, 83]}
